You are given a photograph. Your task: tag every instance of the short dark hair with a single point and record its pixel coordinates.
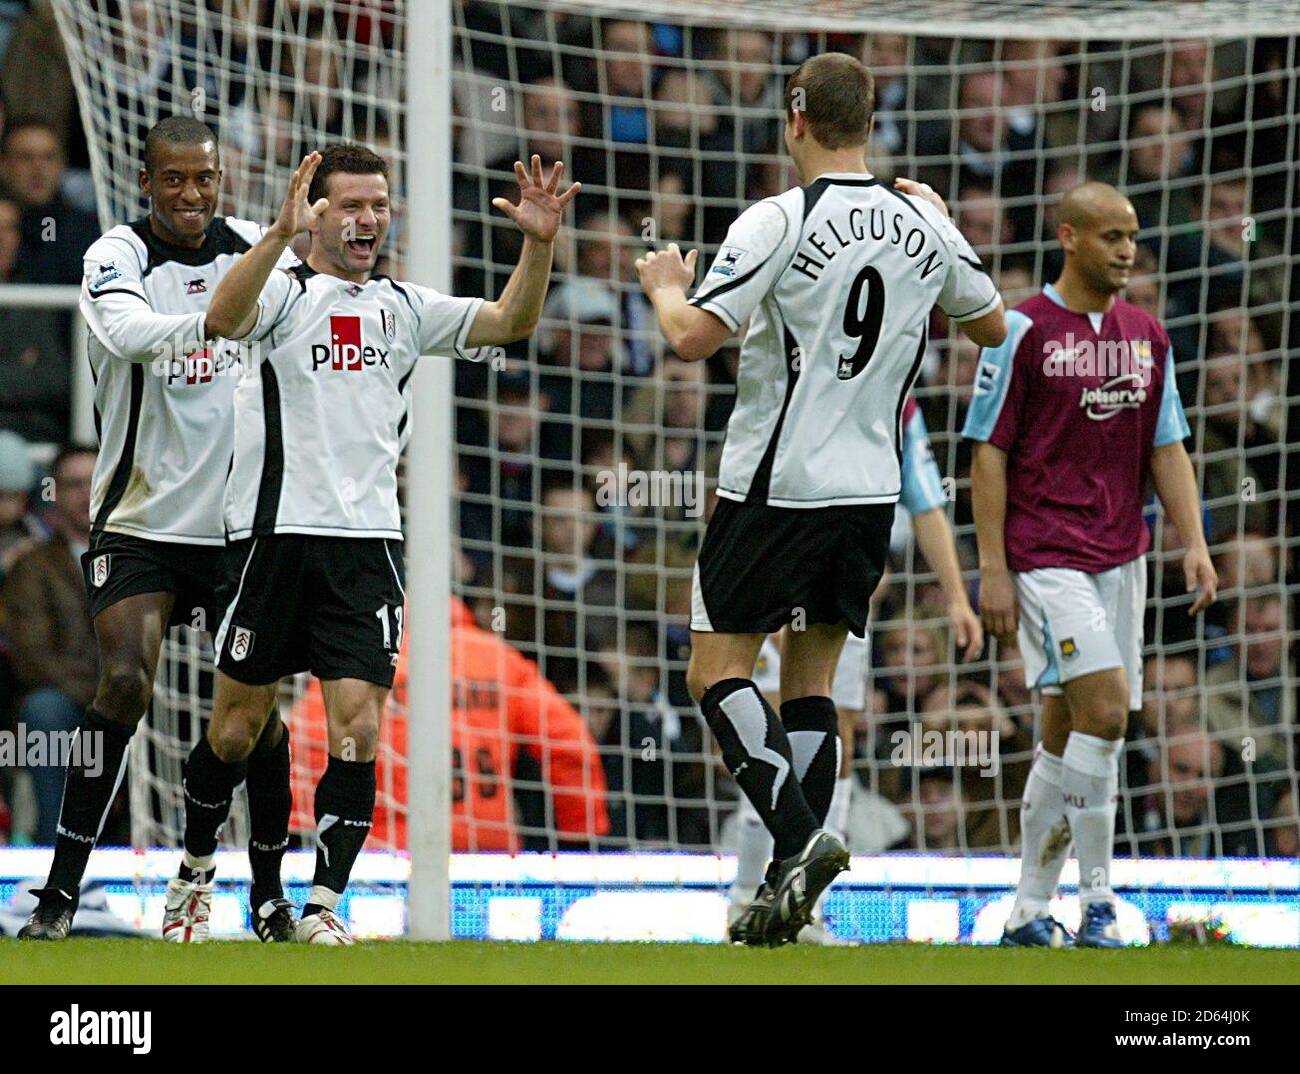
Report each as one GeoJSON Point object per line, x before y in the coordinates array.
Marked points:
{"type": "Point", "coordinates": [174, 131]}
{"type": "Point", "coordinates": [837, 94]}
{"type": "Point", "coordinates": [66, 452]}
{"type": "Point", "coordinates": [346, 158]}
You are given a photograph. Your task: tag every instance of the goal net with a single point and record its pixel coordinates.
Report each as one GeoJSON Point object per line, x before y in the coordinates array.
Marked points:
{"type": "Point", "coordinates": [587, 798]}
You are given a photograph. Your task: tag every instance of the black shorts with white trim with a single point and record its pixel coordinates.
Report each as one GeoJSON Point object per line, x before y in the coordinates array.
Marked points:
{"type": "Point", "coordinates": [329, 605]}
{"type": "Point", "coordinates": [762, 567]}
{"type": "Point", "coordinates": [119, 565]}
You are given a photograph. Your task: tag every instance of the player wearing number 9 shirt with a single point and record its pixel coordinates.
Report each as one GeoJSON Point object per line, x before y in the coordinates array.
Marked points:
{"type": "Point", "coordinates": [836, 279]}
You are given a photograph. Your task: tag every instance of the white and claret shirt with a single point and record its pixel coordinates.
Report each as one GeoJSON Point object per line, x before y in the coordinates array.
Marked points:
{"type": "Point", "coordinates": [837, 280]}
{"type": "Point", "coordinates": [163, 396]}
{"type": "Point", "coordinates": [320, 420]}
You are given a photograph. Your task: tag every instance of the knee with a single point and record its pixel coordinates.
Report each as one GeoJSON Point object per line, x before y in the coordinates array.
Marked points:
{"type": "Point", "coordinates": [233, 741]}
{"type": "Point", "coordinates": [124, 693]}
{"type": "Point", "coordinates": [1106, 718]}
{"type": "Point", "coordinates": [358, 736]}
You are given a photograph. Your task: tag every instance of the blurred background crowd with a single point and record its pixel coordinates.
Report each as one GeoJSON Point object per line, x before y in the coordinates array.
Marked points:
{"type": "Point", "coordinates": [672, 131]}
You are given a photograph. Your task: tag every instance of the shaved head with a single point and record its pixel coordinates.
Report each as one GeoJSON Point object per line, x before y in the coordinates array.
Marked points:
{"type": "Point", "coordinates": [1090, 202]}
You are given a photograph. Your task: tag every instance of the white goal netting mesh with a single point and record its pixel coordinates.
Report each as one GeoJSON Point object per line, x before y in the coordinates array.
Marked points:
{"type": "Point", "coordinates": [586, 457]}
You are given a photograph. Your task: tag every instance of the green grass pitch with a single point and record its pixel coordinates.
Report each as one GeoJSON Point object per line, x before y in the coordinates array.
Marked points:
{"type": "Point", "coordinates": [118, 961]}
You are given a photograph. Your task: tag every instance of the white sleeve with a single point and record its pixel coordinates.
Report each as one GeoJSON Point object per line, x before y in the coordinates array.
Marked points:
{"type": "Point", "coordinates": [443, 322]}
{"type": "Point", "coordinates": [968, 291]}
{"type": "Point", "coordinates": [280, 294]}
{"type": "Point", "coordinates": [116, 309]}
{"type": "Point", "coordinates": [747, 265]}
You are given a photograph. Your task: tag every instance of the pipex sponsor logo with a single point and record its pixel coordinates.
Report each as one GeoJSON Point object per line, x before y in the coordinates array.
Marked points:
{"type": "Point", "coordinates": [119, 1028]}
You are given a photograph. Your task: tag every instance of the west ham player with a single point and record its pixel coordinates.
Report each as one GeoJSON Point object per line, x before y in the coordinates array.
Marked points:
{"type": "Point", "coordinates": [837, 279]}
{"type": "Point", "coordinates": [314, 565]}
{"type": "Point", "coordinates": [163, 412]}
{"type": "Point", "coordinates": [922, 494]}
{"type": "Point", "coordinates": [1072, 414]}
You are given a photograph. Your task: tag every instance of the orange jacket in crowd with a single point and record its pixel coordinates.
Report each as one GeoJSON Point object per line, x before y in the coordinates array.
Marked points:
{"type": "Point", "coordinates": [501, 704]}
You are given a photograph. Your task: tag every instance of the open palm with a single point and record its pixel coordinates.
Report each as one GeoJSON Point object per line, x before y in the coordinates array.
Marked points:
{"type": "Point", "coordinates": [541, 206]}
{"type": "Point", "coordinates": [297, 213]}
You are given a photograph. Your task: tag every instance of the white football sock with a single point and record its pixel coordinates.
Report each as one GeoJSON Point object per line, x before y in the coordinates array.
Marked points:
{"type": "Point", "coordinates": [1044, 839]}
{"type": "Point", "coordinates": [753, 852]}
{"type": "Point", "coordinates": [1090, 786]}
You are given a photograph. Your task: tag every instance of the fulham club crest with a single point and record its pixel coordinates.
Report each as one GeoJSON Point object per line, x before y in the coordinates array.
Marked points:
{"type": "Point", "coordinates": [390, 324]}
{"type": "Point", "coordinates": [196, 287]}
{"type": "Point", "coordinates": [241, 644]}
{"type": "Point", "coordinates": [99, 570]}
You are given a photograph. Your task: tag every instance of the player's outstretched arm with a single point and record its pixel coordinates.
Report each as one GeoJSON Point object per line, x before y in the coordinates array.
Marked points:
{"type": "Point", "coordinates": [988, 483]}
{"type": "Point", "coordinates": [934, 538]}
{"type": "Point", "coordinates": [538, 215]}
{"type": "Point", "coordinates": [1175, 484]}
{"type": "Point", "coordinates": [232, 313]}
{"type": "Point", "coordinates": [691, 332]}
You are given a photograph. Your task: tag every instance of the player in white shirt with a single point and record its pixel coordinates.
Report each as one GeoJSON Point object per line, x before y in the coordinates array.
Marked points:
{"type": "Point", "coordinates": [837, 279]}
{"type": "Point", "coordinates": [164, 399]}
{"type": "Point", "coordinates": [314, 577]}
{"type": "Point", "coordinates": [923, 496]}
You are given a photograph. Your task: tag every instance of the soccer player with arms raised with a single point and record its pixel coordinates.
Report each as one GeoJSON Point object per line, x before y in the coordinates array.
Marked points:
{"type": "Point", "coordinates": [314, 575]}
{"type": "Point", "coordinates": [837, 279]}
{"type": "Point", "coordinates": [1072, 415]}
{"type": "Point", "coordinates": [164, 402]}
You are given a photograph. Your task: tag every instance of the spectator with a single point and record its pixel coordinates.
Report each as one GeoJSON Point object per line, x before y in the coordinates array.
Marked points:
{"type": "Point", "coordinates": [502, 712]}
{"type": "Point", "coordinates": [35, 363]}
{"type": "Point", "coordinates": [1252, 695]}
{"type": "Point", "coordinates": [579, 340]}
{"type": "Point", "coordinates": [607, 253]}
{"type": "Point", "coordinates": [625, 52]}
{"type": "Point", "coordinates": [983, 220]}
{"type": "Point", "coordinates": [1160, 152]}
{"type": "Point", "coordinates": [936, 810]}
{"type": "Point", "coordinates": [49, 627]}
{"type": "Point", "coordinates": [1284, 831]}
{"type": "Point", "coordinates": [911, 663]}
{"type": "Point", "coordinates": [55, 233]}
{"type": "Point", "coordinates": [756, 100]}
{"type": "Point", "coordinates": [1177, 810]}
{"type": "Point", "coordinates": [654, 752]}
{"type": "Point", "coordinates": [1239, 486]}
{"type": "Point", "coordinates": [19, 528]}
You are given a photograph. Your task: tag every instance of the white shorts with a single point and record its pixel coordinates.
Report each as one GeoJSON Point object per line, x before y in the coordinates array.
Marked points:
{"type": "Point", "coordinates": [849, 688]}
{"type": "Point", "coordinates": [1073, 623]}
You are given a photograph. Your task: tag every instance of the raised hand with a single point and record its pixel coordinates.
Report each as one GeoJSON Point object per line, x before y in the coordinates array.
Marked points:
{"type": "Point", "coordinates": [296, 214]}
{"type": "Point", "coordinates": [922, 190]}
{"type": "Point", "coordinates": [541, 206]}
{"type": "Point", "coordinates": [659, 269]}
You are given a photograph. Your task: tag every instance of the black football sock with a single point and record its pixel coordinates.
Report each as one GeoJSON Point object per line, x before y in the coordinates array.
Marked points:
{"type": "Point", "coordinates": [756, 751]}
{"type": "Point", "coordinates": [270, 802]}
{"type": "Point", "coordinates": [812, 726]}
{"type": "Point", "coordinates": [94, 773]}
{"type": "Point", "coordinates": [209, 784]}
{"type": "Point", "coordinates": [345, 808]}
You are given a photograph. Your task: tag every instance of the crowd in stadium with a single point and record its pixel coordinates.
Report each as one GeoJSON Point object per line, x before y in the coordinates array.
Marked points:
{"type": "Point", "coordinates": [672, 131]}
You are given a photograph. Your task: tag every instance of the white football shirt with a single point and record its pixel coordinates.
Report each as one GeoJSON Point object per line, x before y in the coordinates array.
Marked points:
{"type": "Point", "coordinates": [837, 280]}
{"type": "Point", "coordinates": [163, 395]}
{"type": "Point", "coordinates": [321, 418]}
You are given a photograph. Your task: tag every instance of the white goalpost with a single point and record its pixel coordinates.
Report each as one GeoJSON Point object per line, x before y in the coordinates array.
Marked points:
{"type": "Point", "coordinates": [595, 807]}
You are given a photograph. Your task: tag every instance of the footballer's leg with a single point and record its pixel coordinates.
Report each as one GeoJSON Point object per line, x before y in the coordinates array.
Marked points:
{"type": "Point", "coordinates": [345, 802]}
{"type": "Point", "coordinates": [1090, 786]}
{"type": "Point", "coordinates": [216, 766]}
{"type": "Point", "coordinates": [1044, 836]}
{"type": "Point", "coordinates": [129, 633]}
